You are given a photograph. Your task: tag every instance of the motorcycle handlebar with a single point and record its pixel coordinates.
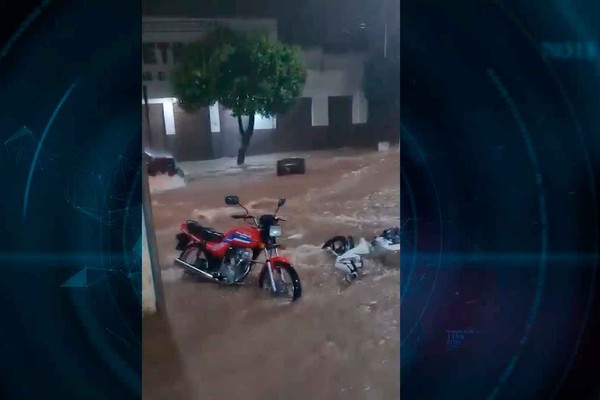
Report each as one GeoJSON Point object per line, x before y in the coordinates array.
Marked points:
{"type": "Point", "coordinates": [245, 217]}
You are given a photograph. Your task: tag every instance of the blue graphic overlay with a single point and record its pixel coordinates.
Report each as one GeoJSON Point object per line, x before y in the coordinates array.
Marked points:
{"type": "Point", "coordinates": [456, 337]}
{"type": "Point", "coordinates": [40, 145]}
{"type": "Point", "coordinates": [22, 146]}
{"type": "Point", "coordinates": [70, 254]}
{"type": "Point", "coordinates": [500, 166]}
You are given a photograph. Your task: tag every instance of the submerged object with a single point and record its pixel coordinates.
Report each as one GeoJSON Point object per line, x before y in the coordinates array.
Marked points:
{"type": "Point", "coordinates": [289, 166]}
{"type": "Point", "coordinates": [349, 257]}
{"type": "Point", "coordinates": [389, 240]}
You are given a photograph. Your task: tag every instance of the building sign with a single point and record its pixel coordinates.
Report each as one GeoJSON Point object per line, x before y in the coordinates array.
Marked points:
{"type": "Point", "coordinates": [158, 57]}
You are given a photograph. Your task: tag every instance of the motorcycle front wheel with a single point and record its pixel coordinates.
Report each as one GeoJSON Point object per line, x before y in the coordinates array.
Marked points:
{"type": "Point", "coordinates": [287, 282]}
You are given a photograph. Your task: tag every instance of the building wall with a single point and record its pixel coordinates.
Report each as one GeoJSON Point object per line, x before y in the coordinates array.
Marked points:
{"type": "Point", "coordinates": [294, 131]}
{"type": "Point", "coordinates": [332, 93]}
{"type": "Point", "coordinates": [163, 37]}
{"type": "Point", "coordinates": [155, 137]}
{"type": "Point", "coordinates": [148, 293]}
{"type": "Point", "coordinates": [193, 140]}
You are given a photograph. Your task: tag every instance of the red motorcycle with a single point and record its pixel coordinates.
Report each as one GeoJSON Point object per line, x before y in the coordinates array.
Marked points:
{"type": "Point", "coordinates": [228, 258]}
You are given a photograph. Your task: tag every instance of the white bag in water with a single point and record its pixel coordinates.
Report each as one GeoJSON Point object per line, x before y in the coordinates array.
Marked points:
{"type": "Point", "coordinates": [380, 243]}
{"type": "Point", "coordinates": [351, 261]}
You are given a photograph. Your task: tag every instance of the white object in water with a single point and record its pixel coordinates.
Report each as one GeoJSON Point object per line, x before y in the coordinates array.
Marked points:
{"type": "Point", "coordinates": [383, 146]}
{"type": "Point", "coordinates": [163, 183]}
{"type": "Point", "coordinates": [351, 261]}
{"type": "Point", "coordinates": [381, 243]}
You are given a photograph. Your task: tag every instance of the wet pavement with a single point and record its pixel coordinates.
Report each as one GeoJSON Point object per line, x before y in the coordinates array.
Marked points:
{"type": "Point", "coordinates": [337, 342]}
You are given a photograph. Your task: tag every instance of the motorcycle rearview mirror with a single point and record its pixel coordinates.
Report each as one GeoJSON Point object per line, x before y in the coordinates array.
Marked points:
{"type": "Point", "coordinates": [232, 200]}
{"type": "Point", "coordinates": [280, 203]}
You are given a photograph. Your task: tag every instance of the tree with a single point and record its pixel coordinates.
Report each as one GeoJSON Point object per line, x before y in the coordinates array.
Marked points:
{"type": "Point", "coordinates": [247, 74]}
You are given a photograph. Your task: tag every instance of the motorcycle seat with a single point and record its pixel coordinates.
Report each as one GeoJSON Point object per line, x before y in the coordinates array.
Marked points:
{"type": "Point", "coordinates": [204, 232]}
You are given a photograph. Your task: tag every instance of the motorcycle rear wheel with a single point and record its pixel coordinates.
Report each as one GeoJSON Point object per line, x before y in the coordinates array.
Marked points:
{"type": "Point", "coordinates": [291, 282]}
{"type": "Point", "coordinates": [192, 256]}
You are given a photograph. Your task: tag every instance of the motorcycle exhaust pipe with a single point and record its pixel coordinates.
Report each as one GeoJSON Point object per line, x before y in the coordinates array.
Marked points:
{"type": "Point", "coordinates": [190, 267]}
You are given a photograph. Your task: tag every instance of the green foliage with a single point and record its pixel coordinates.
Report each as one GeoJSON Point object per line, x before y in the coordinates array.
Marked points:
{"type": "Point", "coordinates": [246, 74]}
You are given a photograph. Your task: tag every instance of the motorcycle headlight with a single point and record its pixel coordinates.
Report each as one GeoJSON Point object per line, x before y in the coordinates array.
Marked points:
{"type": "Point", "coordinates": [275, 231]}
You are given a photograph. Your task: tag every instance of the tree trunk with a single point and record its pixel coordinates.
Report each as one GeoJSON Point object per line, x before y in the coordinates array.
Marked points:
{"type": "Point", "coordinates": [246, 135]}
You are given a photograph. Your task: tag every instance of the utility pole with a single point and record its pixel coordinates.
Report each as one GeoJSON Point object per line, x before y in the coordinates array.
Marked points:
{"type": "Point", "coordinates": [385, 27]}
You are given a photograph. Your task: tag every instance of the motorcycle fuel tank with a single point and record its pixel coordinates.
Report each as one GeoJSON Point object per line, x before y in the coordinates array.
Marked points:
{"type": "Point", "coordinates": [244, 236]}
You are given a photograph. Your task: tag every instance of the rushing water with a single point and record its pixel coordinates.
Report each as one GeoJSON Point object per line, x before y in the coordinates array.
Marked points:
{"type": "Point", "coordinates": [337, 342]}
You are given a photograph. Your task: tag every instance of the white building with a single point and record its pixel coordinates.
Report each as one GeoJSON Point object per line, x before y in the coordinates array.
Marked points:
{"type": "Point", "coordinates": [333, 81]}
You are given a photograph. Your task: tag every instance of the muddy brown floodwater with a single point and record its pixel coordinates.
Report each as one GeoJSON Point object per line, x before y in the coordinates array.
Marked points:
{"type": "Point", "coordinates": [336, 342]}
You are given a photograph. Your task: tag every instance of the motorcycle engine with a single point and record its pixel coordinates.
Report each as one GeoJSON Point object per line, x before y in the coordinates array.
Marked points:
{"type": "Point", "coordinates": [235, 264]}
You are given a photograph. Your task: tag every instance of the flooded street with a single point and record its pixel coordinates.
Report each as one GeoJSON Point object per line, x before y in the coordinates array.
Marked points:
{"type": "Point", "coordinates": [336, 342]}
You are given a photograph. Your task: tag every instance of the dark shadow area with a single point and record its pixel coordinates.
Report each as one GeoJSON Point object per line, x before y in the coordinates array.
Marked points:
{"type": "Point", "coordinates": [496, 140]}
{"type": "Point", "coordinates": [164, 373]}
{"type": "Point", "coordinates": [70, 209]}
